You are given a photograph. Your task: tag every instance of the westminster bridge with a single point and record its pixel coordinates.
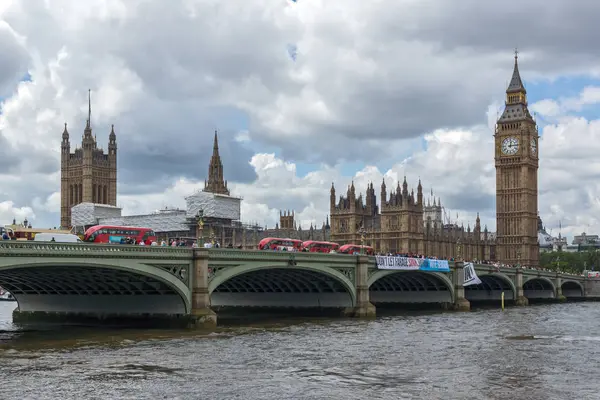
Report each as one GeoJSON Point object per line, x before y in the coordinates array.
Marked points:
{"type": "Point", "coordinates": [65, 279]}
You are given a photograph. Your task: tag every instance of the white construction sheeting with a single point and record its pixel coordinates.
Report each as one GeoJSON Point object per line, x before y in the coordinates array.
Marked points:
{"type": "Point", "coordinates": [162, 221]}
{"type": "Point", "coordinates": [89, 213]}
{"type": "Point", "coordinates": [214, 205]}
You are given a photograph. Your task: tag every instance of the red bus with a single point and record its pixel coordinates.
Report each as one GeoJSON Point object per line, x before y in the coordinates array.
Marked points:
{"type": "Point", "coordinates": [280, 244]}
{"type": "Point", "coordinates": [356, 249]}
{"type": "Point", "coordinates": [119, 234]}
{"type": "Point", "coordinates": [314, 246]}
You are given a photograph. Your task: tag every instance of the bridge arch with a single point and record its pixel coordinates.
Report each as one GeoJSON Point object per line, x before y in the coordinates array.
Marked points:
{"type": "Point", "coordinates": [90, 287]}
{"type": "Point", "coordinates": [539, 287]}
{"type": "Point", "coordinates": [571, 288]}
{"type": "Point", "coordinates": [491, 288]}
{"type": "Point", "coordinates": [398, 286]}
{"type": "Point", "coordinates": [298, 286]}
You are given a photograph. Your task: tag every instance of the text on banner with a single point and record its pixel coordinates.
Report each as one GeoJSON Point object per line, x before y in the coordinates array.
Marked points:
{"type": "Point", "coordinates": [400, 263]}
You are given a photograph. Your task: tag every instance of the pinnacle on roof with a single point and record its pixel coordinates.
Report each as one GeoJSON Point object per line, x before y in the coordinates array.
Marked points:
{"type": "Point", "coordinates": [216, 145]}
{"type": "Point", "coordinates": [216, 183]}
{"type": "Point", "coordinates": [65, 134]}
{"type": "Point", "coordinates": [88, 124]}
{"type": "Point", "coordinates": [516, 84]}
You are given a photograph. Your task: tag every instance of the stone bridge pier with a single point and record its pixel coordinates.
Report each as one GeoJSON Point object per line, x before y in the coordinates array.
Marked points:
{"type": "Point", "coordinates": [458, 278]}
{"type": "Point", "coordinates": [201, 315]}
{"type": "Point", "coordinates": [363, 307]}
{"type": "Point", "coordinates": [520, 296]}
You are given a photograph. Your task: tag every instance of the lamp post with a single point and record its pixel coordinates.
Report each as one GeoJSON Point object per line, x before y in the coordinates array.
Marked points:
{"type": "Point", "coordinates": [200, 224]}
{"type": "Point", "coordinates": [212, 236]}
{"type": "Point", "coordinates": [519, 258]}
{"type": "Point", "coordinates": [362, 234]}
{"type": "Point", "coordinates": [459, 250]}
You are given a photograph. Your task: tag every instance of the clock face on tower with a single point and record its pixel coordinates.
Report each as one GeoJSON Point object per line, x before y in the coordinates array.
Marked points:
{"type": "Point", "coordinates": [533, 147]}
{"type": "Point", "coordinates": [510, 146]}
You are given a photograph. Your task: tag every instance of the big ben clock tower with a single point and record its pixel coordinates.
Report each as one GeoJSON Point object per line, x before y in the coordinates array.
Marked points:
{"type": "Point", "coordinates": [517, 155]}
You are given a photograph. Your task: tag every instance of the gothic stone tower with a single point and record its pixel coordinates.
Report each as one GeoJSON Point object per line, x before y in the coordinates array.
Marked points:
{"type": "Point", "coordinates": [286, 219]}
{"type": "Point", "coordinates": [215, 183]}
{"type": "Point", "coordinates": [87, 175]}
{"type": "Point", "coordinates": [516, 143]}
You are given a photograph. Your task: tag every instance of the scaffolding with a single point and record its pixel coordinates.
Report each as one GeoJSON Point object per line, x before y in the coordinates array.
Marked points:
{"type": "Point", "coordinates": [214, 206]}
{"type": "Point", "coordinates": [87, 214]}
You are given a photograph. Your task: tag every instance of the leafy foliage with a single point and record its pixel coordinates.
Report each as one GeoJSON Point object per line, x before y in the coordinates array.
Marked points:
{"type": "Point", "coordinates": [575, 262]}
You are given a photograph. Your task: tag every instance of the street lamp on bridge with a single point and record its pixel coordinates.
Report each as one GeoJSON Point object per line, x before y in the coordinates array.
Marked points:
{"type": "Point", "coordinates": [200, 230]}
{"type": "Point", "coordinates": [212, 236]}
{"type": "Point", "coordinates": [459, 250]}
{"type": "Point", "coordinates": [362, 234]}
{"type": "Point", "coordinates": [519, 258]}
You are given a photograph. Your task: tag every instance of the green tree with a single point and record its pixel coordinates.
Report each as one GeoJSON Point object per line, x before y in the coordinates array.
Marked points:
{"type": "Point", "coordinates": [592, 258]}
{"type": "Point", "coordinates": [568, 262]}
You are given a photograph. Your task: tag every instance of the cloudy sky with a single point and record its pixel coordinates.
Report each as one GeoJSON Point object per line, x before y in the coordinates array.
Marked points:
{"type": "Point", "coordinates": [303, 94]}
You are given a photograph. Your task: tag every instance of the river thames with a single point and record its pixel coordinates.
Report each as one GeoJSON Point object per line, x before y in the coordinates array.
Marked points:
{"type": "Point", "coordinates": [537, 352]}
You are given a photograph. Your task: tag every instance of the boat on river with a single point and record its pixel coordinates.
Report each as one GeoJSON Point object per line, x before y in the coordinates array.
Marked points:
{"type": "Point", "coordinates": [6, 296]}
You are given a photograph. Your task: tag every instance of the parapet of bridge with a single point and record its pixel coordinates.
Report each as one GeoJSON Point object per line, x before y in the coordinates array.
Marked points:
{"type": "Point", "coordinates": [59, 279]}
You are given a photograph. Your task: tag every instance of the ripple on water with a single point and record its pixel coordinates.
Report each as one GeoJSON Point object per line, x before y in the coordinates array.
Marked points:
{"type": "Point", "coordinates": [130, 372]}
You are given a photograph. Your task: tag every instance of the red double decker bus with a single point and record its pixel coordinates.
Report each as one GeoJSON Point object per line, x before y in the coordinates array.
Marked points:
{"type": "Point", "coordinates": [119, 234]}
{"type": "Point", "coordinates": [314, 246]}
{"type": "Point", "coordinates": [280, 244]}
{"type": "Point", "coordinates": [356, 249]}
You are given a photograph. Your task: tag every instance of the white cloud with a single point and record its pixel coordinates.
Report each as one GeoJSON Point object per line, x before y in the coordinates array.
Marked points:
{"type": "Point", "coordinates": [590, 95]}
{"type": "Point", "coordinates": [370, 81]}
{"type": "Point", "coordinates": [8, 212]}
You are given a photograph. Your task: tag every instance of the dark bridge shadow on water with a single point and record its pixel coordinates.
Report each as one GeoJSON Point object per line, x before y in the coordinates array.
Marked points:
{"type": "Point", "coordinates": [405, 309]}
{"type": "Point", "coordinates": [70, 337]}
{"type": "Point", "coordinates": [238, 316]}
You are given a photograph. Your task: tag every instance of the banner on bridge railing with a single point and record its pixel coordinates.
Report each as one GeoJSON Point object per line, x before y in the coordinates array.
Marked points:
{"type": "Point", "coordinates": [399, 263]}
{"type": "Point", "coordinates": [435, 265]}
{"type": "Point", "coordinates": [412, 264]}
{"type": "Point", "coordinates": [471, 277]}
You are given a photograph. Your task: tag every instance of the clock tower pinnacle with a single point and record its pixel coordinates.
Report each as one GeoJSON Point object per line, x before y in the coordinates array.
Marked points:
{"type": "Point", "coordinates": [516, 158]}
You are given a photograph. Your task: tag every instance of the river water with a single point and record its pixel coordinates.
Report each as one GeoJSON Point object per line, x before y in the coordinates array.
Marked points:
{"type": "Point", "coordinates": [538, 352]}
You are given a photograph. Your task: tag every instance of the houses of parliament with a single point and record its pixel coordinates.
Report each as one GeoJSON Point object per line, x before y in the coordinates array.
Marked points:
{"type": "Point", "coordinates": [404, 221]}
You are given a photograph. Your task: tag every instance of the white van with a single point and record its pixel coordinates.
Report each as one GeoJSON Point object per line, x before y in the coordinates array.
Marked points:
{"type": "Point", "coordinates": [57, 237]}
